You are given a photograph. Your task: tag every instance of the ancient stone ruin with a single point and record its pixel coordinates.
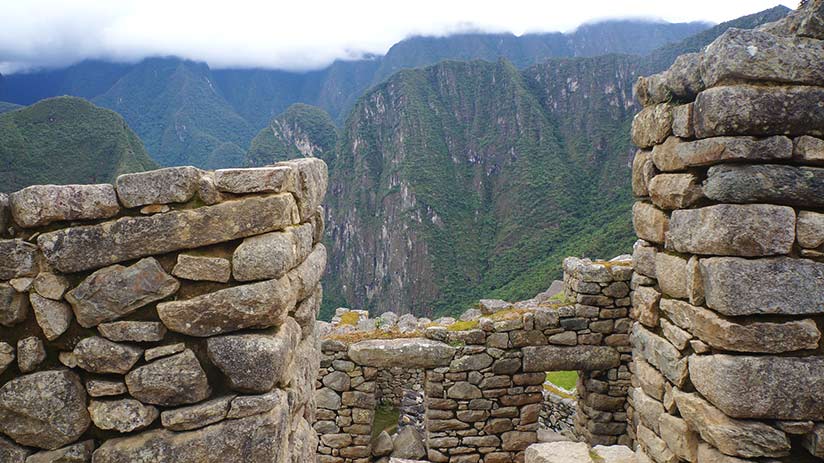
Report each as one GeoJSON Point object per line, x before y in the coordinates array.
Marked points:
{"type": "Point", "coordinates": [169, 317]}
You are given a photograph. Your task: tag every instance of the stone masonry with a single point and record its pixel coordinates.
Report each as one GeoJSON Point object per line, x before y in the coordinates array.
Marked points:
{"type": "Point", "coordinates": [729, 286]}
{"type": "Point", "coordinates": [168, 317]}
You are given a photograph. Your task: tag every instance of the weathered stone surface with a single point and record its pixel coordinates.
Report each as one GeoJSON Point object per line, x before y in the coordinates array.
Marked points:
{"type": "Point", "coordinates": [124, 415]}
{"type": "Point", "coordinates": [814, 441]}
{"type": "Point", "coordinates": [271, 255]}
{"type": "Point", "coordinates": [553, 358]}
{"type": "Point", "coordinates": [105, 388]}
{"type": "Point", "coordinates": [133, 331]}
{"type": "Point", "coordinates": [161, 186]}
{"type": "Point", "coordinates": [311, 181]}
{"type": "Point", "coordinates": [682, 81]}
{"type": "Point", "coordinates": [643, 170]}
{"type": "Point", "coordinates": [306, 276]}
{"type": "Point", "coordinates": [14, 306]}
{"type": "Point", "coordinates": [46, 409]}
{"type": "Point", "coordinates": [6, 356]}
{"type": "Point", "coordinates": [92, 246]}
{"type": "Point", "coordinates": [255, 180]}
{"type": "Point", "coordinates": [112, 292]}
{"type": "Point", "coordinates": [682, 126]}
{"type": "Point", "coordinates": [759, 111]}
{"type": "Point", "coordinates": [22, 285]}
{"type": "Point", "coordinates": [11, 452]}
{"type": "Point", "coordinates": [382, 445]}
{"type": "Point", "coordinates": [196, 416]}
{"type": "Point", "coordinates": [755, 336]}
{"type": "Point", "coordinates": [810, 229]}
{"type": "Point", "coordinates": [650, 380]}
{"type": "Point", "coordinates": [327, 398]}
{"type": "Point", "coordinates": [749, 230]}
{"type": "Point", "coordinates": [52, 316]}
{"type": "Point", "coordinates": [787, 388]}
{"type": "Point", "coordinates": [643, 258]}
{"type": "Point", "coordinates": [672, 274]}
{"type": "Point", "coordinates": [654, 445]}
{"type": "Point", "coordinates": [463, 390]}
{"type": "Point", "coordinates": [708, 454]}
{"type": "Point", "coordinates": [255, 363]}
{"type": "Point", "coordinates": [99, 355]}
{"type": "Point", "coordinates": [775, 184]}
{"type": "Point", "coordinates": [474, 362]}
{"type": "Point", "coordinates": [50, 286]}
{"type": "Point", "coordinates": [163, 351]}
{"type": "Point", "coordinates": [732, 437]}
{"type": "Point", "coordinates": [256, 305]}
{"type": "Point", "coordinates": [404, 353]}
{"type": "Point", "coordinates": [408, 443]}
{"type": "Point", "coordinates": [809, 150]}
{"type": "Point", "coordinates": [659, 353]}
{"type": "Point", "coordinates": [337, 381]}
{"type": "Point", "coordinates": [39, 205]}
{"type": "Point", "coordinates": [743, 54]}
{"type": "Point", "coordinates": [675, 335]}
{"type": "Point", "coordinates": [645, 305]}
{"type": "Point", "coordinates": [652, 125]}
{"type": "Point", "coordinates": [675, 191]}
{"type": "Point", "coordinates": [201, 268]}
{"type": "Point", "coordinates": [682, 441]}
{"type": "Point", "coordinates": [650, 223]}
{"type": "Point", "coordinates": [255, 439]}
{"type": "Point", "coordinates": [558, 452]}
{"type": "Point", "coordinates": [248, 405]}
{"type": "Point", "coordinates": [19, 259]}
{"type": "Point", "coordinates": [76, 453]}
{"type": "Point", "coordinates": [674, 154]}
{"type": "Point", "coordinates": [174, 380]}
{"type": "Point", "coordinates": [647, 409]}
{"type": "Point", "coordinates": [30, 354]}
{"type": "Point", "coordinates": [781, 285]}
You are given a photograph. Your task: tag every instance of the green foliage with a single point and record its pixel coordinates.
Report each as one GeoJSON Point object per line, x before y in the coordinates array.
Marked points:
{"type": "Point", "coordinates": [564, 379]}
{"type": "Point", "coordinates": [386, 419]}
{"type": "Point", "coordinates": [302, 130]}
{"type": "Point", "coordinates": [66, 140]}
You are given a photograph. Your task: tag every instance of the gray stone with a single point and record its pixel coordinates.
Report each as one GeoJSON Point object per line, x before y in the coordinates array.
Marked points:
{"type": "Point", "coordinates": [475, 362]}
{"type": "Point", "coordinates": [749, 230]}
{"type": "Point", "coordinates": [312, 178]}
{"type": "Point", "coordinates": [645, 305]}
{"type": "Point", "coordinates": [810, 229]}
{"type": "Point", "coordinates": [708, 454]}
{"type": "Point", "coordinates": [337, 381]}
{"type": "Point", "coordinates": [659, 353]}
{"type": "Point", "coordinates": [759, 111]}
{"type": "Point", "coordinates": [674, 154]}
{"type": "Point", "coordinates": [554, 358]}
{"type": "Point", "coordinates": [463, 390]}
{"type": "Point", "coordinates": [201, 268]}
{"type": "Point", "coordinates": [682, 125]}
{"type": "Point", "coordinates": [382, 445]}
{"type": "Point", "coordinates": [98, 355]}
{"type": "Point", "coordinates": [643, 258]}
{"type": "Point", "coordinates": [255, 439]}
{"type": "Point", "coordinates": [115, 291]}
{"type": "Point", "coordinates": [733, 437]}
{"type": "Point", "coordinates": [46, 409]}
{"type": "Point", "coordinates": [650, 223]}
{"type": "Point", "coordinates": [256, 305]}
{"type": "Point", "coordinates": [559, 452]}
{"type": "Point", "coordinates": [814, 441]}
{"type": "Point", "coordinates": [695, 286]}
{"type": "Point", "coordinates": [92, 246]}
{"type": "Point", "coordinates": [207, 190]}
{"type": "Point", "coordinates": [682, 81]}
{"type": "Point", "coordinates": [672, 274]}
{"type": "Point", "coordinates": [11, 452]}
{"type": "Point", "coordinates": [248, 405]}
{"type": "Point", "coordinates": [255, 363]}
{"type": "Point", "coordinates": [271, 255]}
{"type": "Point", "coordinates": [30, 354]}
{"type": "Point", "coordinates": [124, 415]}
{"type": "Point", "coordinates": [80, 452]}
{"type": "Point", "coordinates": [654, 445]}
{"type": "Point", "coordinates": [781, 285]}
{"type": "Point", "coordinates": [808, 150]}
{"type": "Point", "coordinates": [51, 286]}
{"type": "Point", "coordinates": [52, 316]}
{"type": "Point", "coordinates": [327, 399]}
{"type": "Point", "coordinates": [255, 180]}
{"type": "Point", "coordinates": [775, 184]}
{"type": "Point", "coordinates": [163, 351]}
{"type": "Point", "coordinates": [650, 380]}
{"type": "Point", "coordinates": [174, 380]}
{"type": "Point", "coordinates": [752, 55]}
{"type": "Point", "coordinates": [39, 205]}
{"type": "Point", "coordinates": [14, 306]}
{"type": "Point", "coordinates": [786, 388]}
{"type": "Point", "coordinates": [161, 186]}
{"type": "Point", "coordinates": [675, 335]}
{"type": "Point", "coordinates": [305, 277]}
{"type": "Point", "coordinates": [133, 331]}
{"type": "Point", "coordinates": [196, 416]}
{"type": "Point", "coordinates": [566, 338]}
{"type": "Point", "coordinates": [647, 409]}
{"type": "Point", "coordinates": [105, 388]}
{"type": "Point", "coordinates": [652, 125]}
{"type": "Point", "coordinates": [675, 191]}
{"type": "Point", "coordinates": [404, 353]}
{"type": "Point", "coordinates": [19, 259]}
{"type": "Point", "coordinates": [6, 356]}
{"type": "Point", "coordinates": [408, 443]}
{"type": "Point", "coordinates": [643, 170]}
{"type": "Point", "coordinates": [682, 441]}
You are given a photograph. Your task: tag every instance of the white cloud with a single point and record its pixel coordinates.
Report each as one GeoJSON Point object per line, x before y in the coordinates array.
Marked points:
{"type": "Point", "coordinates": [294, 34]}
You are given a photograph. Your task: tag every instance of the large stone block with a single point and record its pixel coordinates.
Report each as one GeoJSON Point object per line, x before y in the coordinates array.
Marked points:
{"type": "Point", "coordinates": [555, 358]}
{"type": "Point", "coordinates": [19, 259]}
{"type": "Point", "coordinates": [682, 81]}
{"type": "Point", "coordinates": [202, 268]}
{"type": "Point", "coordinates": [675, 154]}
{"type": "Point", "coordinates": [784, 388]}
{"type": "Point", "coordinates": [40, 205]}
{"type": "Point", "coordinates": [774, 184]}
{"type": "Point", "coordinates": [810, 229]}
{"type": "Point", "coordinates": [161, 186]}
{"type": "Point", "coordinates": [123, 415]}
{"type": "Point", "coordinates": [650, 223]}
{"type": "Point", "coordinates": [115, 291]}
{"type": "Point", "coordinates": [174, 380]}
{"type": "Point", "coordinates": [75, 453]}
{"type": "Point", "coordinates": [87, 247]}
{"type": "Point", "coordinates": [311, 180]}
{"type": "Point", "coordinates": [759, 111]}
{"type": "Point", "coordinates": [675, 191]}
{"type": "Point", "coordinates": [808, 150]}
{"type": "Point", "coordinates": [659, 353]}
{"type": "Point", "coordinates": [652, 125]}
{"type": "Point", "coordinates": [780, 285]}
{"type": "Point", "coordinates": [559, 452]}
{"type": "Point", "coordinates": [271, 255]}
{"type": "Point", "coordinates": [404, 353]}
{"type": "Point", "coordinates": [255, 180]}
{"type": "Point", "coordinates": [682, 441]}
{"type": "Point", "coordinates": [672, 274]}
{"type": "Point", "coordinates": [305, 277]}
{"type": "Point", "coordinates": [643, 170]}
{"type": "Point", "coordinates": [46, 409]}
{"type": "Point", "coordinates": [749, 230]}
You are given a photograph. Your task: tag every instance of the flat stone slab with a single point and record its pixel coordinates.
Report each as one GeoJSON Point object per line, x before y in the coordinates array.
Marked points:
{"type": "Point", "coordinates": [403, 353]}
{"type": "Point", "coordinates": [255, 180]}
{"type": "Point", "coordinates": [99, 355]}
{"type": "Point", "coordinates": [93, 246]}
{"type": "Point", "coordinates": [133, 331]}
{"type": "Point", "coordinates": [40, 205]}
{"type": "Point", "coordinates": [779, 285]}
{"type": "Point", "coordinates": [554, 358]}
{"type": "Point", "coordinates": [202, 268]}
{"type": "Point", "coordinates": [659, 353]}
{"type": "Point", "coordinates": [174, 380]}
{"type": "Point", "coordinates": [75, 453]}
{"type": "Point", "coordinates": [161, 186]}
{"type": "Point", "coordinates": [676, 154]}
{"type": "Point", "coordinates": [123, 415]}
{"type": "Point", "coordinates": [196, 416]}
{"type": "Point", "coordinates": [783, 388]}
{"type": "Point", "coordinates": [774, 184]}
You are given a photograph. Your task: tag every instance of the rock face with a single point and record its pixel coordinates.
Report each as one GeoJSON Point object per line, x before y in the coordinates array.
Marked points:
{"type": "Point", "coordinates": [776, 184]}
{"type": "Point", "coordinates": [174, 380]}
{"type": "Point", "coordinates": [45, 409]}
{"type": "Point", "coordinates": [115, 291]}
{"type": "Point", "coordinates": [411, 353]}
{"type": "Point", "coordinates": [43, 204]}
{"type": "Point", "coordinates": [123, 415]}
{"type": "Point", "coordinates": [161, 186]}
{"type": "Point", "coordinates": [257, 180]}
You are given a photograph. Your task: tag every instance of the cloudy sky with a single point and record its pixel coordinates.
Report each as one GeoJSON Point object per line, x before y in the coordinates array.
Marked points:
{"type": "Point", "coordinates": [295, 34]}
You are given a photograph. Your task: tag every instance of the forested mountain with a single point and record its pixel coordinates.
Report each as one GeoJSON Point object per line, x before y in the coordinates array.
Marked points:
{"type": "Point", "coordinates": [66, 140]}
{"type": "Point", "coordinates": [6, 107]}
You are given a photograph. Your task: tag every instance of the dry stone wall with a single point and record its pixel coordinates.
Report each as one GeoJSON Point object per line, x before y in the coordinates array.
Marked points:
{"type": "Point", "coordinates": [168, 317]}
{"type": "Point", "coordinates": [729, 285]}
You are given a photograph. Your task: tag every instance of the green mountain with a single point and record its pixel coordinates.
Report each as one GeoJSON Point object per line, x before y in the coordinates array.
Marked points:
{"type": "Point", "coordinates": [6, 107]}
{"type": "Point", "coordinates": [66, 140]}
{"type": "Point", "coordinates": [301, 131]}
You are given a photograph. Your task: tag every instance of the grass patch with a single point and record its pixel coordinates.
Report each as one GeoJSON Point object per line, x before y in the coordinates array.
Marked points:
{"type": "Point", "coordinates": [508, 314]}
{"type": "Point", "coordinates": [463, 325]}
{"type": "Point", "coordinates": [564, 379]}
{"type": "Point", "coordinates": [386, 419]}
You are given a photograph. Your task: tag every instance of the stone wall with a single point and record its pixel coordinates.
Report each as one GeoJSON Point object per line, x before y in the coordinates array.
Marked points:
{"type": "Point", "coordinates": [558, 414]}
{"type": "Point", "coordinates": [168, 317]}
{"type": "Point", "coordinates": [729, 284]}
